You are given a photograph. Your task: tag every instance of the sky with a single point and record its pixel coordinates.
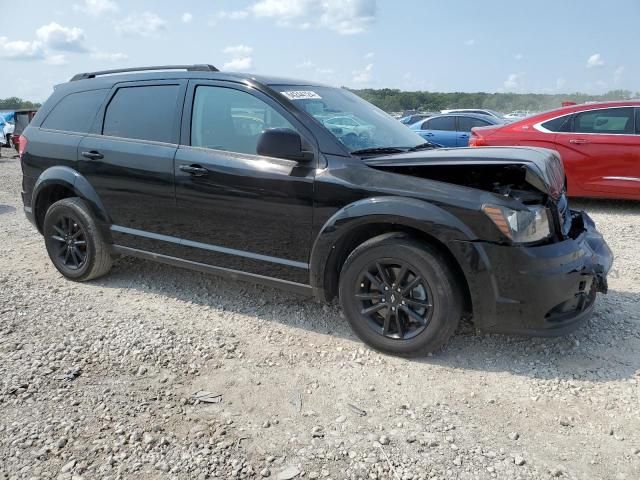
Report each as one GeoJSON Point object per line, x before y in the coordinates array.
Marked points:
{"type": "Point", "coordinates": [545, 46]}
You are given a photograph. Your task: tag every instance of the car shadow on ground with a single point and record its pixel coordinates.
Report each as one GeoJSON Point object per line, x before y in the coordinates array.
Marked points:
{"type": "Point", "coordinates": [606, 348]}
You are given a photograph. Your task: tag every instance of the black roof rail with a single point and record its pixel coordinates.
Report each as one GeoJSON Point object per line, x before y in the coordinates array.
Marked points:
{"type": "Point", "coordinates": [189, 68]}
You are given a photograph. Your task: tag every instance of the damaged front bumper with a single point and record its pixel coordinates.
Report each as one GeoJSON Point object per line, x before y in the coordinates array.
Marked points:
{"type": "Point", "coordinates": [549, 289]}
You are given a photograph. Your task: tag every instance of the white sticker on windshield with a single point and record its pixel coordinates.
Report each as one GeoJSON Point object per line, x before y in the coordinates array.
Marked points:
{"type": "Point", "coordinates": [301, 95]}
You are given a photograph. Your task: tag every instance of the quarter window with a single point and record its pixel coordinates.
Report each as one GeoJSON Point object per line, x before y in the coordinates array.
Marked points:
{"type": "Point", "coordinates": [75, 112]}
{"type": "Point", "coordinates": [143, 113]}
{"type": "Point", "coordinates": [606, 120]}
{"type": "Point", "coordinates": [228, 119]}
{"type": "Point", "coordinates": [441, 123]}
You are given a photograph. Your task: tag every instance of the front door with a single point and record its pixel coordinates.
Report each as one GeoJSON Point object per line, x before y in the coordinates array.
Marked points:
{"type": "Point", "coordinates": [441, 130]}
{"type": "Point", "coordinates": [128, 160]}
{"type": "Point", "coordinates": [236, 209]}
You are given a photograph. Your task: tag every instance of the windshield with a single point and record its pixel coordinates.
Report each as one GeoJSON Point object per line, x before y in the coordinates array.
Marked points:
{"type": "Point", "coordinates": [352, 120]}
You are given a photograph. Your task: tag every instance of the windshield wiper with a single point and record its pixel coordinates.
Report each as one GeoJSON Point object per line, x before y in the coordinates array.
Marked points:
{"type": "Point", "coordinates": [422, 146]}
{"type": "Point", "coordinates": [375, 150]}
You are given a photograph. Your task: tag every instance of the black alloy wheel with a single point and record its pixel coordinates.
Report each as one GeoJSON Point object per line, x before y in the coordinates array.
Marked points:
{"type": "Point", "coordinates": [401, 295]}
{"type": "Point", "coordinates": [72, 242]}
{"type": "Point", "coordinates": [396, 300]}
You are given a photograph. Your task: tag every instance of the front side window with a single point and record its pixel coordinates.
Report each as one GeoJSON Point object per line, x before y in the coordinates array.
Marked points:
{"type": "Point", "coordinates": [606, 120]}
{"type": "Point", "coordinates": [143, 113]}
{"type": "Point", "coordinates": [232, 120]}
{"type": "Point", "coordinates": [442, 123]}
{"type": "Point", "coordinates": [369, 126]}
{"type": "Point", "coordinates": [74, 113]}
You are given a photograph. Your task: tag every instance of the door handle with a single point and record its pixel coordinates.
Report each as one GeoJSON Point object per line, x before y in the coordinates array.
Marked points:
{"type": "Point", "coordinates": [428, 134]}
{"type": "Point", "coordinates": [195, 170]}
{"type": "Point", "coordinates": [92, 155]}
{"type": "Point", "coordinates": [464, 136]}
{"type": "Point", "coordinates": [579, 141]}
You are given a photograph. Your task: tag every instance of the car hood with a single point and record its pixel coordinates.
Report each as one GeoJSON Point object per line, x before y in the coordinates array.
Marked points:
{"type": "Point", "coordinates": [544, 170]}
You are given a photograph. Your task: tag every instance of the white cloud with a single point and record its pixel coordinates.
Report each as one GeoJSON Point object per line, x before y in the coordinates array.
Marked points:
{"type": "Point", "coordinates": [241, 63]}
{"type": "Point", "coordinates": [518, 56]}
{"type": "Point", "coordinates": [595, 60]}
{"type": "Point", "coordinates": [369, 55]}
{"type": "Point", "coordinates": [21, 50]}
{"type": "Point", "coordinates": [110, 57]}
{"type": "Point", "coordinates": [146, 24]}
{"type": "Point", "coordinates": [512, 82]}
{"type": "Point", "coordinates": [96, 7]}
{"type": "Point", "coordinates": [238, 50]}
{"type": "Point", "coordinates": [57, 37]}
{"type": "Point", "coordinates": [234, 14]}
{"type": "Point", "coordinates": [470, 43]}
{"type": "Point", "coordinates": [306, 64]}
{"type": "Point", "coordinates": [346, 17]}
{"type": "Point", "coordinates": [56, 60]}
{"type": "Point", "coordinates": [364, 75]}
{"type": "Point", "coordinates": [617, 75]}
{"type": "Point", "coordinates": [187, 17]}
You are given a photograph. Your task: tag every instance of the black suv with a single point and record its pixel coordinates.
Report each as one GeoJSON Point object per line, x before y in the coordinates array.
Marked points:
{"type": "Point", "coordinates": [310, 188]}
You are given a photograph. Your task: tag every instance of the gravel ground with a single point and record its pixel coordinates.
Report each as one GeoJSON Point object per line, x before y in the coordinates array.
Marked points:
{"type": "Point", "coordinates": [102, 379]}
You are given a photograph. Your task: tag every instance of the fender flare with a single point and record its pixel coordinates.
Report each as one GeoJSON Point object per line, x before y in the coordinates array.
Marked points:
{"type": "Point", "coordinates": [71, 179]}
{"type": "Point", "coordinates": [402, 211]}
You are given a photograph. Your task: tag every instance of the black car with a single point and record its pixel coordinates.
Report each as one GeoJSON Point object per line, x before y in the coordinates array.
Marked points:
{"type": "Point", "coordinates": [235, 174]}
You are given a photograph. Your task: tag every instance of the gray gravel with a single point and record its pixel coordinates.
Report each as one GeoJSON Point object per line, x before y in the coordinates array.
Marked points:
{"type": "Point", "coordinates": [156, 372]}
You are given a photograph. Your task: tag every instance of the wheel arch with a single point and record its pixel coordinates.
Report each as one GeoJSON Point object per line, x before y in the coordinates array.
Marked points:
{"type": "Point", "coordinates": [365, 219]}
{"type": "Point", "coordinates": [60, 182]}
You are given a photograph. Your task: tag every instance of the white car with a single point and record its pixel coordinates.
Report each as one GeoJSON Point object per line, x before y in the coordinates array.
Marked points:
{"type": "Point", "coordinates": [479, 111]}
{"type": "Point", "coordinates": [518, 115]}
{"type": "Point", "coordinates": [7, 127]}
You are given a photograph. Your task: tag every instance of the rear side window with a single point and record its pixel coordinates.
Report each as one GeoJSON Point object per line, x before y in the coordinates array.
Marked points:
{"type": "Point", "coordinates": [143, 113]}
{"type": "Point", "coordinates": [441, 123]}
{"type": "Point", "coordinates": [75, 112]}
{"type": "Point", "coordinates": [465, 124]}
{"type": "Point", "coordinates": [606, 120]}
{"type": "Point", "coordinates": [560, 124]}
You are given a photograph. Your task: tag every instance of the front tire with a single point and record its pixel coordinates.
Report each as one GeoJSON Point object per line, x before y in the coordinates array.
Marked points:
{"type": "Point", "coordinates": [400, 296]}
{"type": "Point", "coordinates": [74, 243]}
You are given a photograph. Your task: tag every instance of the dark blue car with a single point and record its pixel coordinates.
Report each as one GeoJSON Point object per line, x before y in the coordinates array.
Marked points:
{"type": "Point", "coordinates": [452, 129]}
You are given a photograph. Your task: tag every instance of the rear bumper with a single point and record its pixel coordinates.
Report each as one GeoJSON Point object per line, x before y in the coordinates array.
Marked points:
{"type": "Point", "coordinates": [544, 290]}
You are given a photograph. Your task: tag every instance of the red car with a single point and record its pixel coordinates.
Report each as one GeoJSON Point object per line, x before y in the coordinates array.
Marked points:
{"type": "Point", "coordinates": [599, 144]}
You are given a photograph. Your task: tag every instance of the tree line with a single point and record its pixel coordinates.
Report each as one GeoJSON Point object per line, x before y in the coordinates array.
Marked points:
{"type": "Point", "coordinates": [15, 103]}
{"type": "Point", "coordinates": [393, 100]}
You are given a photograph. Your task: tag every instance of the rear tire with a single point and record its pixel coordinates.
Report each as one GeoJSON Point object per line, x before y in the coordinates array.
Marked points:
{"type": "Point", "coordinates": [74, 242]}
{"type": "Point", "coordinates": [400, 296]}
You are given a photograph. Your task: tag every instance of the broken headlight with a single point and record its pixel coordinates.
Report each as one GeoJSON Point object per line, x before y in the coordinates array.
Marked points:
{"type": "Point", "coordinates": [520, 226]}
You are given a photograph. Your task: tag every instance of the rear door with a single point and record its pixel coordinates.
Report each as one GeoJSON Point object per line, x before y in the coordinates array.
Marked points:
{"type": "Point", "coordinates": [603, 149]}
{"type": "Point", "coordinates": [237, 209]}
{"type": "Point", "coordinates": [440, 130]}
{"type": "Point", "coordinates": [128, 160]}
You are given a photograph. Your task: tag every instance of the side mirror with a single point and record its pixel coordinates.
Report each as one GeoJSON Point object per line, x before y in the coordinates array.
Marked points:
{"type": "Point", "coordinates": [282, 143]}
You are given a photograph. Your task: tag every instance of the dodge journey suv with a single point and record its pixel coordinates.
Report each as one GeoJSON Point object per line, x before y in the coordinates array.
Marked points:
{"type": "Point", "coordinates": [241, 175]}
